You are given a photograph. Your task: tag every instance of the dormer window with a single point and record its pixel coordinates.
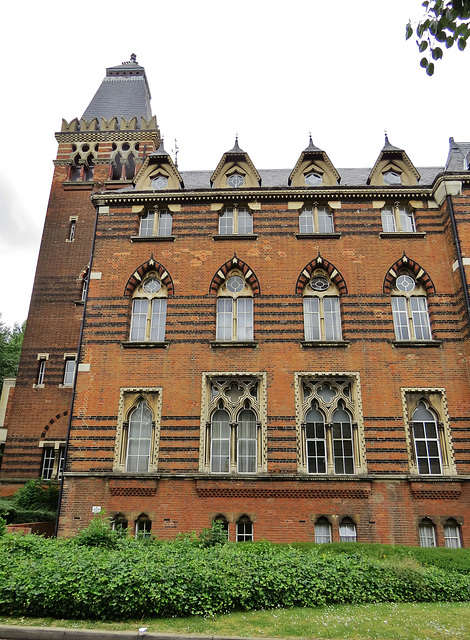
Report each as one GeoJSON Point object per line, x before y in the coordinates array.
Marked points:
{"type": "Point", "coordinates": [160, 182]}
{"type": "Point", "coordinates": [392, 178]}
{"type": "Point", "coordinates": [313, 179]}
{"type": "Point", "coordinates": [236, 180]}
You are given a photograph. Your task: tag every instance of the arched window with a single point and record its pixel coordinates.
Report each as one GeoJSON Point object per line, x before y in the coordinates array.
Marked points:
{"type": "Point", "coordinates": [139, 438]}
{"type": "Point", "coordinates": [427, 533]}
{"type": "Point", "coordinates": [234, 430]}
{"type": "Point", "coordinates": [234, 309]}
{"type": "Point", "coordinates": [322, 314]}
{"type": "Point", "coordinates": [322, 530]}
{"type": "Point", "coordinates": [397, 218]}
{"type": "Point", "coordinates": [235, 221]}
{"type": "Point", "coordinates": [426, 440]}
{"type": "Point", "coordinates": [149, 306]}
{"type": "Point", "coordinates": [331, 442]}
{"type": "Point", "coordinates": [315, 436]}
{"type": "Point", "coordinates": [143, 526]}
{"type": "Point", "coordinates": [223, 522]}
{"type": "Point", "coordinates": [119, 523]}
{"type": "Point", "coordinates": [410, 309]}
{"type": "Point", "coordinates": [347, 530]}
{"type": "Point", "coordinates": [244, 529]}
{"type": "Point", "coordinates": [452, 534]}
{"type": "Point", "coordinates": [316, 219]}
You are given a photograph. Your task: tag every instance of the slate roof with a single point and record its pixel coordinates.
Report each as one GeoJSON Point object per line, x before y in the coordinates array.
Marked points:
{"type": "Point", "coordinates": [272, 178]}
{"type": "Point", "coordinates": [124, 93]}
{"type": "Point", "coordinates": [459, 156]}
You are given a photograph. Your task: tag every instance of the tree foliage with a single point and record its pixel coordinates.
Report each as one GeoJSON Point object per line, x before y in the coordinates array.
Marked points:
{"type": "Point", "coordinates": [11, 341]}
{"type": "Point", "coordinates": [445, 22]}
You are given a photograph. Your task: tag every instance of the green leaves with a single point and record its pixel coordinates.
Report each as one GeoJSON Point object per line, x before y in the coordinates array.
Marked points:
{"type": "Point", "coordinates": [446, 22]}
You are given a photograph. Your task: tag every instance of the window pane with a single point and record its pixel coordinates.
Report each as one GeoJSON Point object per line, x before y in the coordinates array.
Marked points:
{"type": "Point", "coordinates": [139, 438]}
{"type": "Point", "coordinates": [244, 531]}
{"type": "Point", "coordinates": [452, 536]}
{"type": "Point", "coordinates": [146, 224]}
{"type": "Point", "coordinates": [47, 463]}
{"type": "Point", "coordinates": [220, 442]}
{"type": "Point", "coordinates": [306, 220]}
{"type": "Point", "coordinates": [427, 536]}
{"type": "Point", "coordinates": [158, 320]}
{"type": "Point", "coordinates": [420, 317]}
{"type": "Point", "coordinates": [400, 318]}
{"type": "Point", "coordinates": [224, 329]}
{"type": "Point", "coordinates": [388, 219]}
{"type": "Point", "coordinates": [332, 318]}
{"type": "Point", "coordinates": [164, 223]}
{"type": "Point", "coordinates": [245, 221]}
{"type": "Point", "coordinates": [347, 532]}
{"type": "Point", "coordinates": [139, 319]}
{"type": "Point", "coordinates": [247, 442]}
{"type": "Point", "coordinates": [343, 451]}
{"type": "Point", "coordinates": [226, 222]}
{"type": "Point", "coordinates": [325, 220]}
{"type": "Point", "coordinates": [322, 533]}
{"type": "Point", "coordinates": [315, 441]}
{"type": "Point", "coordinates": [245, 319]}
{"type": "Point", "coordinates": [69, 372]}
{"type": "Point", "coordinates": [312, 318]}
{"type": "Point", "coordinates": [427, 447]}
{"type": "Point", "coordinates": [407, 221]}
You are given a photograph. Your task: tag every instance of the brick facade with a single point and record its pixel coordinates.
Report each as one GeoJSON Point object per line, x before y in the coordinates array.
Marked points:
{"type": "Point", "coordinates": [387, 494]}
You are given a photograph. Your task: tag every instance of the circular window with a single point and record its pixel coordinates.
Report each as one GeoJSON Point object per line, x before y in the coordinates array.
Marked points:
{"type": "Point", "coordinates": [235, 180]}
{"type": "Point", "coordinates": [392, 177]}
{"type": "Point", "coordinates": [152, 285]}
{"type": "Point", "coordinates": [235, 284]}
{"type": "Point", "coordinates": [319, 283]}
{"type": "Point", "coordinates": [160, 182]}
{"type": "Point", "coordinates": [405, 283]}
{"type": "Point", "coordinates": [313, 179]}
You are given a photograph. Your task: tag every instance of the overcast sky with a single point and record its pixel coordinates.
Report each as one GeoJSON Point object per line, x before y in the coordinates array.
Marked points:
{"type": "Point", "coordinates": [271, 72]}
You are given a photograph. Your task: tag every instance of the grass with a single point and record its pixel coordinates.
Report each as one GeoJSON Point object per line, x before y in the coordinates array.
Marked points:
{"type": "Point", "coordinates": [341, 622]}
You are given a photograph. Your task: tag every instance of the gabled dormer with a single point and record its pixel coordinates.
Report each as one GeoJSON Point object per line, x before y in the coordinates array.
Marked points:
{"type": "Point", "coordinates": [158, 172]}
{"type": "Point", "coordinates": [393, 168]}
{"type": "Point", "coordinates": [313, 169]}
{"type": "Point", "coordinates": [235, 170]}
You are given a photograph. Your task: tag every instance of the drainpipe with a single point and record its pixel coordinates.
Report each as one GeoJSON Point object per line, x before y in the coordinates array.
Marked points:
{"type": "Point", "coordinates": [459, 254]}
{"type": "Point", "coordinates": [74, 385]}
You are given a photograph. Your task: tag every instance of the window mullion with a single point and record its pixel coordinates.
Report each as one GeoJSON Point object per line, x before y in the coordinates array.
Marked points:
{"type": "Point", "coordinates": [396, 212]}
{"type": "Point", "coordinates": [411, 326]}
{"type": "Point", "coordinates": [235, 220]}
{"type": "Point", "coordinates": [316, 225]}
{"type": "Point", "coordinates": [329, 448]}
{"type": "Point", "coordinates": [233, 447]}
{"type": "Point", "coordinates": [234, 319]}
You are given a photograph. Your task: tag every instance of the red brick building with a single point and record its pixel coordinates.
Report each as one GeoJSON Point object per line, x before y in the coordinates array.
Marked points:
{"type": "Point", "coordinates": [283, 350]}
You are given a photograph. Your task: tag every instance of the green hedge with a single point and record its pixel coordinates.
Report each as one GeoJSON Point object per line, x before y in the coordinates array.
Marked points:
{"type": "Point", "coordinates": [35, 502]}
{"type": "Point", "coordinates": [65, 579]}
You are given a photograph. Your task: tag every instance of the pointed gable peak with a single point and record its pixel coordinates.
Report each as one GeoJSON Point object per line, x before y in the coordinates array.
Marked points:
{"type": "Point", "coordinates": [236, 163]}
{"type": "Point", "coordinates": [313, 168]}
{"type": "Point", "coordinates": [393, 167]}
{"type": "Point", "coordinates": [159, 172]}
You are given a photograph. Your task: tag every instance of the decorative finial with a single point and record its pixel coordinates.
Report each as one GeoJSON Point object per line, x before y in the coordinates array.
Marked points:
{"type": "Point", "coordinates": [310, 141]}
{"type": "Point", "coordinates": [133, 58]}
{"type": "Point", "coordinates": [175, 151]}
{"type": "Point", "coordinates": [386, 137]}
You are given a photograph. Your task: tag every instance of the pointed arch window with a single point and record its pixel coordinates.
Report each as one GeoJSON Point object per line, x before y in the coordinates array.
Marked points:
{"type": "Point", "coordinates": [235, 309]}
{"type": "Point", "coordinates": [139, 438]}
{"type": "Point", "coordinates": [244, 529]}
{"type": "Point", "coordinates": [322, 313]}
{"type": "Point", "coordinates": [149, 305]}
{"type": "Point", "coordinates": [452, 534]}
{"type": "Point", "coordinates": [427, 533]}
{"type": "Point", "coordinates": [347, 530]}
{"type": "Point", "coordinates": [426, 440]}
{"type": "Point", "coordinates": [322, 531]}
{"type": "Point", "coordinates": [410, 309]}
{"type": "Point", "coordinates": [331, 440]}
{"type": "Point", "coordinates": [233, 437]}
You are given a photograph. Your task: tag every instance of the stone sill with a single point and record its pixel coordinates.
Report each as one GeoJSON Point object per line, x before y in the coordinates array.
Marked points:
{"type": "Point", "coordinates": [235, 236]}
{"type": "Point", "coordinates": [417, 343]}
{"type": "Point", "coordinates": [79, 302]}
{"type": "Point", "coordinates": [237, 344]}
{"type": "Point", "coordinates": [153, 238]}
{"type": "Point", "coordinates": [402, 234]}
{"type": "Point", "coordinates": [145, 345]}
{"type": "Point", "coordinates": [314, 236]}
{"type": "Point", "coordinates": [78, 184]}
{"type": "Point", "coordinates": [325, 343]}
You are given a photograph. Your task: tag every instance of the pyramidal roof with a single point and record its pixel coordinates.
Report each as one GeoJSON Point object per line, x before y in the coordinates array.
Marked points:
{"type": "Point", "coordinates": [124, 93]}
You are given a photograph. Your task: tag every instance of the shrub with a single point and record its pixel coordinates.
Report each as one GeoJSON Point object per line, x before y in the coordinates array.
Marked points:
{"type": "Point", "coordinates": [35, 502]}
{"type": "Point", "coordinates": [99, 533]}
